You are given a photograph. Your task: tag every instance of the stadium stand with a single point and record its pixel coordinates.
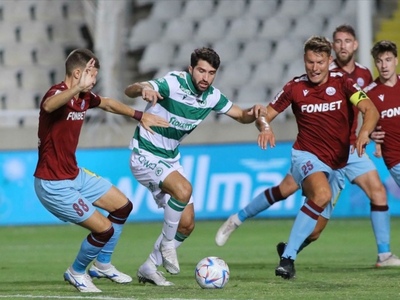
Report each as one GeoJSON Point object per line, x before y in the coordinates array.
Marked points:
{"type": "Point", "coordinates": [230, 10]}
{"type": "Point", "coordinates": [166, 10]}
{"type": "Point", "coordinates": [260, 38]}
{"type": "Point", "coordinates": [260, 9]}
{"type": "Point", "coordinates": [156, 55]}
{"type": "Point", "coordinates": [36, 35]}
{"type": "Point", "coordinates": [211, 30]}
{"type": "Point", "coordinates": [143, 33]}
{"type": "Point", "coordinates": [197, 10]}
{"type": "Point", "coordinates": [243, 30]}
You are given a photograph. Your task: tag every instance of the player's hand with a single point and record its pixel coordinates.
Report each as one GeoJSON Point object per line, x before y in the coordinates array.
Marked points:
{"type": "Point", "coordinates": [149, 120]}
{"type": "Point", "coordinates": [257, 110]}
{"type": "Point", "coordinates": [88, 76]}
{"type": "Point", "coordinates": [361, 143]}
{"type": "Point", "coordinates": [151, 96]}
{"type": "Point", "coordinates": [264, 137]}
{"type": "Point", "coordinates": [378, 135]}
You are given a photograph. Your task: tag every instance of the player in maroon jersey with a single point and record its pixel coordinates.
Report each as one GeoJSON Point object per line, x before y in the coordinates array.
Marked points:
{"type": "Point", "coordinates": [322, 104]}
{"type": "Point", "coordinates": [384, 92]}
{"type": "Point", "coordinates": [72, 193]}
{"type": "Point", "coordinates": [359, 170]}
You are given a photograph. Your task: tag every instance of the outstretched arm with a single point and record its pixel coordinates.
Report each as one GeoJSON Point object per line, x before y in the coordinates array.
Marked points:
{"type": "Point", "coordinates": [145, 90]}
{"type": "Point", "coordinates": [146, 120]}
{"type": "Point", "coordinates": [246, 116]}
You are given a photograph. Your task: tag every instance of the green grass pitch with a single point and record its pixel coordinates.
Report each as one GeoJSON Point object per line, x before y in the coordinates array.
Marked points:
{"type": "Point", "coordinates": [340, 265]}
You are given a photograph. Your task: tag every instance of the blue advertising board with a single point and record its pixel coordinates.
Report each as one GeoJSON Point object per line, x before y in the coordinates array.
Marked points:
{"type": "Point", "coordinates": [224, 177]}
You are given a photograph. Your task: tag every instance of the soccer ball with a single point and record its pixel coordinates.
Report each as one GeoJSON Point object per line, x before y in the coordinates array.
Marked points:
{"type": "Point", "coordinates": [212, 273]}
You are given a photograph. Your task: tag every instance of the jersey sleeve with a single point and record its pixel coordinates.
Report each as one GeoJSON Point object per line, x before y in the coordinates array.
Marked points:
{"type": "Point", "coordinates": [354, 92]}
{"type": "Point", "coordinates": [223, 104]}
{"type": "Point", "coordinates": [161, 85]}
{"type": "Point", "coordinates": [94, 100]}
{"type": "Point", "coordinates": [283, 99]}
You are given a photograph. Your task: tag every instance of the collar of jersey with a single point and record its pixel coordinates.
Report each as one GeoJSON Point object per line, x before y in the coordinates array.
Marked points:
{"type": "Point", "coordinates": [192, 87]}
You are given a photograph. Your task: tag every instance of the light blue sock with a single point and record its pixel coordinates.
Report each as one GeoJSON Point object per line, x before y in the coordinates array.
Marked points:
{"type": "Point", "coordinates": [257, 205]}
{"type": "Point", "coordinates": [303, 226]}
{"type": "Point", "coordinates": [104, 256]}
{"type": "Point", "coordinates": [303, 245]}
{"type": "Point", "coordinates": [380, 221]}
{"type": "Point", "coordinates": [260, 203]}
{"type": "Point", "coordinates": [87, 253]}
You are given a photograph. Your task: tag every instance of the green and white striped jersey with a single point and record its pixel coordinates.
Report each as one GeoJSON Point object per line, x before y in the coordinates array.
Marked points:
{"type": "Point", "coordinates": [183, 107]}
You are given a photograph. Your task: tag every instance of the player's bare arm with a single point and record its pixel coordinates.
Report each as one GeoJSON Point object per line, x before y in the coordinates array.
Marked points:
{"type": "Point", "coordinates": [370, 119]}
{"type": "Point", "coordinates": [145, 90]}
{"type": "Point", "coordinates": [266, 134]}
{"type": "Point", "coordinates": [146, 120]}
{"type": "Point", "coordinates": [246, 116]}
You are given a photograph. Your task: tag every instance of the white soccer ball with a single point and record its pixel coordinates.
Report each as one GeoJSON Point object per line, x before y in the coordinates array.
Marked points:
{"type": "Point", "coordinates": [212, 273]}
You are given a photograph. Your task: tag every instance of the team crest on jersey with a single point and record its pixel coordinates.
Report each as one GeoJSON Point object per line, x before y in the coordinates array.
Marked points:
{"type": "Point", "coordinates": [357, 87]}
{"type": "Point", "coordinates": [330, 91]}
{"type": "Point", "coordinates": [159, 171]}
{"type": "Point", "coordinates": [83, 104]}
{"type": "Point", "coordinates": [360, 81]}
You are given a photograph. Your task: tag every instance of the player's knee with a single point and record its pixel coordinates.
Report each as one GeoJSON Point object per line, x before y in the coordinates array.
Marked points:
{"type": "Point", "coordinates": [99, 239]}
{"type": "Point", "coordinates": [378, 196]}
{"type": "Point", "coordinates": [120, 215]}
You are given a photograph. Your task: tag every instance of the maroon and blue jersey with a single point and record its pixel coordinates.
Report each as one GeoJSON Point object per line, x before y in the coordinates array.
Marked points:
{"type": "Point", "coordinates": [58, 134]}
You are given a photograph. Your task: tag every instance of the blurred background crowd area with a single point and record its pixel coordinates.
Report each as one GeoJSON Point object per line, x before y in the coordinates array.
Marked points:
{"type": "Point", "coordinates": [260, 43]}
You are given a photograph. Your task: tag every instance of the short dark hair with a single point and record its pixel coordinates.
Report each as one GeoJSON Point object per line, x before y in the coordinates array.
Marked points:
{"type": "Point", "coordinates": [207, 54]}
{"type": "Point", "coordinates": [78, 58]}
{"type": "Point", "coordinates": [318, 44]}
{"type": "Point", "coordinates": [382, 47]}
{"type": "Point", "coordinates": [345, 28]}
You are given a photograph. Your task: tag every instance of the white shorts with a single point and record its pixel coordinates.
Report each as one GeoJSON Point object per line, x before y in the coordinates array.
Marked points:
{"type": "Point", "coordinates": [151, 171]}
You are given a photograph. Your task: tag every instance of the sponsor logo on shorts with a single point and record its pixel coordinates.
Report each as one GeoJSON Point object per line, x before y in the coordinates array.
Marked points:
{"type": "Point", "coordinates": [145, 163]}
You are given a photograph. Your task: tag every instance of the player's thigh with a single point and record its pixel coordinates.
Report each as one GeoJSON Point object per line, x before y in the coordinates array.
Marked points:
{"type": "Point", "coordinates": [358, 166]}
{"type": "Point", "coordinates": [155, 174]}
{"type": "Point", "coordinates": [63, 200]}
{"type": "Point", "coordinates": [96, 222]}
{"type": "Point", "coordinates": [99, 191]}
{"type": "Point", "coordinates": [288, 186]}
{"type": "Point", "coordinates": [316, 187]}
{"type": "Point", "coordinates": [372, 185]}
{"type": "Point", "coordinates": [112, 200]}
{"type": "Point", "coordinates": [395, 172]}
{"type": "Point", "coordinates": [336, 183]}
{"type": "Point", "coordinates": [177, 186]}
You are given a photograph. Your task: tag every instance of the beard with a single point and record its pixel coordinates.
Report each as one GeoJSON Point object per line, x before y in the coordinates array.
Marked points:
{"type": "Point", "coordinates": [344, 60]}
